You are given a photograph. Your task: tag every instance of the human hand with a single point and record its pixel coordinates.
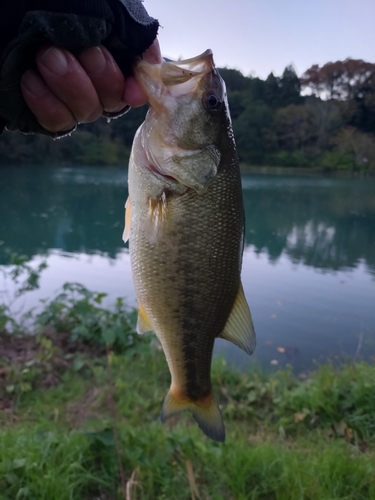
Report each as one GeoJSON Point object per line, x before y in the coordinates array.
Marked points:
{"type": "Point", "coordinates": [68, 89]}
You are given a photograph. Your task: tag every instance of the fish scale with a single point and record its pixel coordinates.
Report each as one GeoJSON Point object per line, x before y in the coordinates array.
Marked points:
{"type": "Point", "coordinates": [202, 290]}
{"type": "Point", "coordinates": [185, 224]}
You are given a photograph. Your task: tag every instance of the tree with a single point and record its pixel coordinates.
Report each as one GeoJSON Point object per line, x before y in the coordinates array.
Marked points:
{"type": "Point", "coordinates": [292, 125]}
{"type": "Point", "coordinates": [284, 90]}
{"type": "Point", "coordinates": [234, 79]}
{"type": "Point", "coordinates": [251, 133]}
{"type": "Point", "coordinates": [326, 117]}
{"type": "Point", "coordinates": [290, 87]}
{"type": "Point", "coordinates": [360, 145]}
{"type": "Point", "coordinates": [349, 79]}
{"type": "Point", "coordinates": [272, 90]}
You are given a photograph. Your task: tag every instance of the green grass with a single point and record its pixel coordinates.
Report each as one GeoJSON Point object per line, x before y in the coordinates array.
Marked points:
{"type": "Point", "coordinates": [58, 465]}
{"type": "Point", "coordinates": [286, 439]}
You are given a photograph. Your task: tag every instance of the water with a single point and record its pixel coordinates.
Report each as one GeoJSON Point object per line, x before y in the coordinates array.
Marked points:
{"type": "Point", "coordinates": [309, 261]}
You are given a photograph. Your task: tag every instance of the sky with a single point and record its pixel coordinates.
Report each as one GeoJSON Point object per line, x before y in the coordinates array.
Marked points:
{"type": "Point", "coordinates": [260, 36]}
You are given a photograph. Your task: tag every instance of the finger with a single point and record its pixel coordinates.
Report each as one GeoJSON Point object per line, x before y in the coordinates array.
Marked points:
{"type": "Point", "coordinates": [134, 95]}
{"type": "Point", "coordinates": [106, 77]}
{"type": "Point", "coordinates": [50, 112]}
{"type": "Point", "coordinates": [69, 82]}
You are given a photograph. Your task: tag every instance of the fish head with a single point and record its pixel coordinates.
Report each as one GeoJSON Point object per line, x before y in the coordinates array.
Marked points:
{"type": "Point", "coordinates": [187, 129]}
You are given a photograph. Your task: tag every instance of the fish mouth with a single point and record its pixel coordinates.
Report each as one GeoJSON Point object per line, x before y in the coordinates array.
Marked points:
{"type": "Point", "coordinates": [172, 78]}
{"type": "Point", "coordinates": [175, 73]}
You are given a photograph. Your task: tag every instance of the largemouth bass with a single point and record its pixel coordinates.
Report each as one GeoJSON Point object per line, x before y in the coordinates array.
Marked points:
{"type": "Point", "coordinates": [185, 224]}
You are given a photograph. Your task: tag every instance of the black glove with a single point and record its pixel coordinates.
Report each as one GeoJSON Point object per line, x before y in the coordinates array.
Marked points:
{"type": "Point", "coordinates": [123, 26]}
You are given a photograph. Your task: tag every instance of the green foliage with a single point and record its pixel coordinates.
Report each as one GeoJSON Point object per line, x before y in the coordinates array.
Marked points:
{"type": "Point", "coordinates": [334, 396]}
{"type": "Point", "coordinates": [291, 159]}
{"type": "Point", "coordinates": [338, 399]}
{"type": "Point", "coordinates": [336, 160]}
{"type": "Point", "coordinates": [6, 320]}
{"type": "Point", "coordinates": [41, 465]}
{"type": "Point", "coordinates": [22, 278]}
{"type": "Point", "coordinates": [251, 129]}
{"type": "Point", "coordinates": [74, 310]}
{"type": "Point", "coordinates": [80, 312]}
{"type": "Point", "coordinates": [20, 379]}
{"type": "Point", "coordinates": [235, 80]}
{"type": "Point", "coordinates": [62, 466]}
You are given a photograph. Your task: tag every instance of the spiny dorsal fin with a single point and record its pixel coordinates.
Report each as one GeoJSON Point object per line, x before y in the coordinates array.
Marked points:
{"type": "Point", "coordinates": [239, 328]}
{"type": "Point", "coordinates": [126, 233]}
{"type": "Point", "coordinates": [143, 323]}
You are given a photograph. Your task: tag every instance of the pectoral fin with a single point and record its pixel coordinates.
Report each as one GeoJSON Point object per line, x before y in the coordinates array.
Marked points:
{"type": "Point", "coordinates": [157, 214]}
{"type": "Point", "coordinates": [143, 323]}
{"type": "Point", "coordinates": [126, 233]}
{"type": "Point", "coordinates": [239, 328]}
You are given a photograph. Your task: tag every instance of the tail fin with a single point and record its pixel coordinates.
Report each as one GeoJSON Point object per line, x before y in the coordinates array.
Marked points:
{"type": "Point", "coordinates": [205, 411]}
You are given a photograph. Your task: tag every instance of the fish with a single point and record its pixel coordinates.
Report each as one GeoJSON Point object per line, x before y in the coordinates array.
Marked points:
{"type": "Point", "coordinates": [185, 224]}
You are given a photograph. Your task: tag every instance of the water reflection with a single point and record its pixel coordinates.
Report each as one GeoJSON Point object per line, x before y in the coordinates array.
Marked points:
{"type": "Point", "coordinates": [320, 222]}
{"type": "Point", "coordinates": [75, 210]}
{"type": "Point", "coordinates": [323, 223]}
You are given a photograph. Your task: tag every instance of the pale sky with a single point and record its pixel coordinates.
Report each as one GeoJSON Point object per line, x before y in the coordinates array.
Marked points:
{"type": "Point", "coordinates": [260, 36]}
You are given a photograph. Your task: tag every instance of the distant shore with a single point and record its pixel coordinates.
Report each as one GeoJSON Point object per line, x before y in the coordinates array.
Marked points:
{"type": "Point", "coordinates": [263, 169]}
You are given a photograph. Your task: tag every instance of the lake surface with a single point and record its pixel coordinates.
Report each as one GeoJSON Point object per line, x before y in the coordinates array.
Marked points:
{"type": "Point", "coordinates": [308, 268]}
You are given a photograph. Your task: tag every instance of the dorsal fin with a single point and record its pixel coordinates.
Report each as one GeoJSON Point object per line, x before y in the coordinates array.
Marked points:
{"type": "Point", "coordinates": [239, 328]}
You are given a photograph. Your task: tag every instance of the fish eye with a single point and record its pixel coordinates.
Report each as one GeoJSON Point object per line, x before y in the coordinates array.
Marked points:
{"type": "Point", "coordinates": [212, 101]}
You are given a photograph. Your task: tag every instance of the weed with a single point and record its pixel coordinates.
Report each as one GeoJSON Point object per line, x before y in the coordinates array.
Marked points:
{"type": "Point", "coordinates": [22, 278]}
{"type": "Point", "coordinates": [79, 311]}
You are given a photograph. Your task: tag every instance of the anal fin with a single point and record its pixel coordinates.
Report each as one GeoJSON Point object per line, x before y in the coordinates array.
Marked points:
{"type": "Point", "coordinates": [239, 328]}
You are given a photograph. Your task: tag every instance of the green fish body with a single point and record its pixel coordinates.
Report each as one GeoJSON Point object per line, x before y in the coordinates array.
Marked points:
{"type": "Point", "coordinates": [185, 224]}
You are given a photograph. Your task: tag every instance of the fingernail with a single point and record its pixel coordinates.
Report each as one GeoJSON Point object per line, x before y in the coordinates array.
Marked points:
{"type": "Point", "coordinates": [55, 61]}
{"type": "Point", "coordinates": [34, 84]}
{"type": "Point", "coordinates": [94, 61]}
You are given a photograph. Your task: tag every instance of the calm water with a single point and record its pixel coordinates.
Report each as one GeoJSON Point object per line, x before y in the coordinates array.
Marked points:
{"type": "Point", "coordinates": [309, 261]}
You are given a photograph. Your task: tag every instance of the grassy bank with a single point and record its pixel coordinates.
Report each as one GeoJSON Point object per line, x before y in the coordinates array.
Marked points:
{"type": "Point", "coordinates": [64, 434]}
{"type": "Point", "coordinates": [79, 419]}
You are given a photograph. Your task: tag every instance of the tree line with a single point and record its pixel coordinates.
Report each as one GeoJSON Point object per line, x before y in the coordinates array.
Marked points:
{"type": "Point", "coordinates": [325, 118]}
